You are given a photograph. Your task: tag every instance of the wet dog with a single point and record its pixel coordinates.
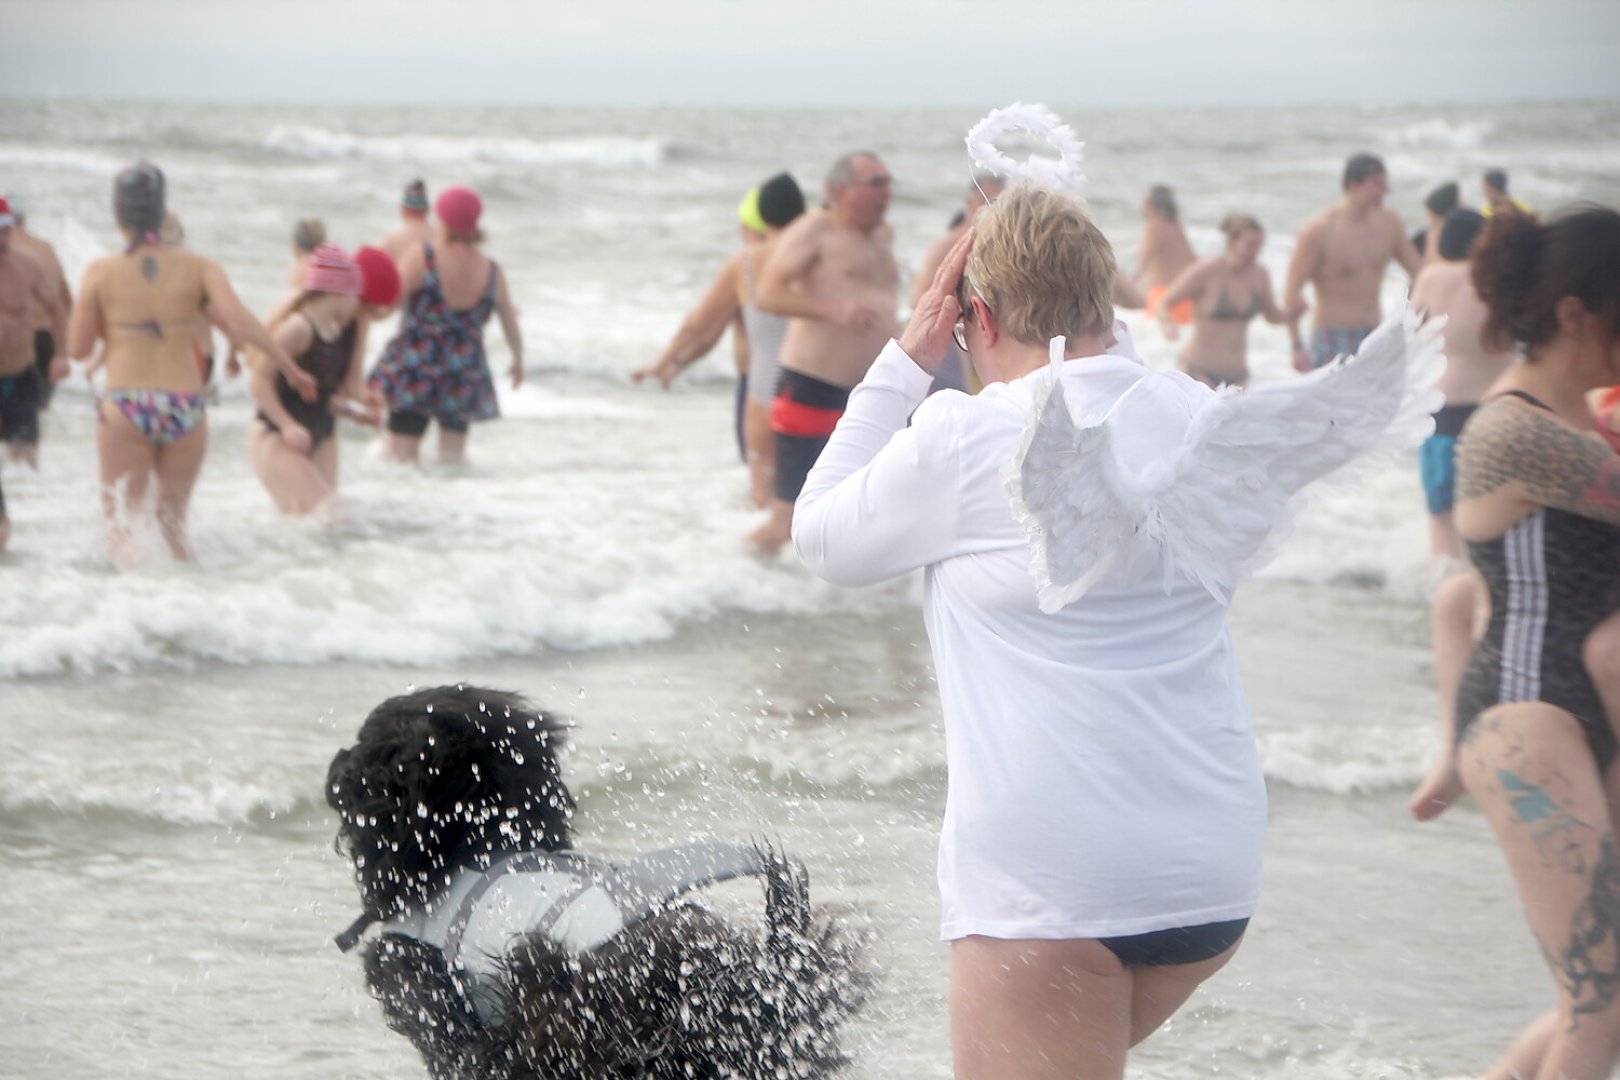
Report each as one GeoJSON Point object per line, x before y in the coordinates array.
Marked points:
{"type": "Point", "coordinates": [504, 952]}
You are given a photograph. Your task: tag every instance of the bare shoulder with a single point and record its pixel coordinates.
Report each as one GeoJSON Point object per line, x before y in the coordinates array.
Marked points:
{"type": "Point", "coordinates": [1426, 285]}
{"type": "Point", "coordinates": [1508, 440]}
{"type": "Point", "coordinates": [1318, 224]}
{"type": "Point", "coordinates": [95, 270]}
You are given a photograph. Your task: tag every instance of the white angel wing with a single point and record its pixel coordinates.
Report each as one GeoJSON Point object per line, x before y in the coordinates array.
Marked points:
{"type": "Point", "coordinates": [1214, 509]}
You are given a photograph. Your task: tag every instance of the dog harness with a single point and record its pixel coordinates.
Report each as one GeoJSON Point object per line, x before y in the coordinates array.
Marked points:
{"type": "Point", "coordinates": [579, 902]}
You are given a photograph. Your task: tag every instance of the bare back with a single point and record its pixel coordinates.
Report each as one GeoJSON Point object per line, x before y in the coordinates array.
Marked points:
{"type": "Point", "coordinates": [1447, 289]}
{"type": "Point", "coordinates": [147, 307]}
{"type": "Point", "coordinates": [463, 274]}
{"type": "Point", "coordinates": [1350, 253]}
{"type": "Point", "coordinates": [1165, 253]}
{"type": "Point", "coordinates": [840, 265]}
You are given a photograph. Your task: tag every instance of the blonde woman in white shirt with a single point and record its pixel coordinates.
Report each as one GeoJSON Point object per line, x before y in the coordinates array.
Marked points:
{"type": "Point", "coordinates": [1101, 848]}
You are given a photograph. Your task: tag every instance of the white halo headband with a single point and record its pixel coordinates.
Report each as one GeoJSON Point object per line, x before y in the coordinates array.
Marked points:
{"type": "Point", "coordinates": [1064, 173]}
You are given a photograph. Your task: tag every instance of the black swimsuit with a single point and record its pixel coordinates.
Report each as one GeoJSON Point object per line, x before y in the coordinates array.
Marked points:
{"type": "Point", "coordinates": [329, 362]}
{"type": "Point", "coordinates": [1552, 578]}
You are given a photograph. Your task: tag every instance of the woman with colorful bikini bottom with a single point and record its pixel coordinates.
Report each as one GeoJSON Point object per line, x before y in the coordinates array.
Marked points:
{"type": "Point", "coordinates": [145, 304]}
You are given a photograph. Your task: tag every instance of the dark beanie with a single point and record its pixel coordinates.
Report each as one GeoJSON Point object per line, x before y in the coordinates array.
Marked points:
{"type": "Point", "coordinates": [138, 198]}
{"type": "Point", "coordinates": [780, 200]}
{"type": "Point", "coordinates": [1458, 233]}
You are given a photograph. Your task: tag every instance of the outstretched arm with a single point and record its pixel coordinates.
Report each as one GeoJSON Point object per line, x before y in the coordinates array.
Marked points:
{"type": "Point", "coordinates": [1268, 301]}
{"type": "Point", "coordinates": [85, 327]}
{"type": "Point", "coordinates": [291, 336]}
{"type": "Point", "coordinates": [700, 331]}
{"type": "Point", "coordinates": [1302, 268]}
{"type": "Point", "coordinates": [1188, 285]}
{"type": "Point", "coordinates": [240, 324]}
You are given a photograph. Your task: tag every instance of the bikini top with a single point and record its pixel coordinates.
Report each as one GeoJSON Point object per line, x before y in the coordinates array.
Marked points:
{"type": "Point", "coordinates": [576, 901]}
{"type": "Point", "coordinates": [1226, 311]}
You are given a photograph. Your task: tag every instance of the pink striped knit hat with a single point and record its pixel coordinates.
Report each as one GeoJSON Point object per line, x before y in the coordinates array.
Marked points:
{"type": "Point", "coordinates": [328, 269]}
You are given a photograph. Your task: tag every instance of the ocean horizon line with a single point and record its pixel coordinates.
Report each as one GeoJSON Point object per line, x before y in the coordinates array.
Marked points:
{"type": "Point", "coordinates": [801, 107]}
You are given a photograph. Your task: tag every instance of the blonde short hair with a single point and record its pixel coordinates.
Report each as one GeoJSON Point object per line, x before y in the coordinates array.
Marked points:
{"type": "Point", "coordinates": [1042, 266]}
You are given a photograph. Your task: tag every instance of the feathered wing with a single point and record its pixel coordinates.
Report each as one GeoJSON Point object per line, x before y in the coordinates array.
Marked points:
{"type": "Point", "coordinates": [1215, 508]}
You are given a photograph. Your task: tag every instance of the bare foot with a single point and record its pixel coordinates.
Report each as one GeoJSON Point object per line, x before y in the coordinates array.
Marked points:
{"type": "Point", "coordinates": [1439, 790]}
{"type": "Point", "coordinates": [766, 541]}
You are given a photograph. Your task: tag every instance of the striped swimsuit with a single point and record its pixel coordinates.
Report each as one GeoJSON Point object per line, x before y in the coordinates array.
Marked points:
{"type": "Point", "coordinates": [1552, 578]}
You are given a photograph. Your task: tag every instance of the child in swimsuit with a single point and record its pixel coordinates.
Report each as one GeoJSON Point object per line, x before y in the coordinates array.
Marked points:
{"type": "Point", "coordinates": [291, 442]}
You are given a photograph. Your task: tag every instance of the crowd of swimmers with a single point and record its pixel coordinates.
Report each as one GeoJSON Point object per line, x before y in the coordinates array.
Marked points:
{"type": "Point", "coordinates": [813, 296]}
{"type": "Point", "coordinates": [147, 316]}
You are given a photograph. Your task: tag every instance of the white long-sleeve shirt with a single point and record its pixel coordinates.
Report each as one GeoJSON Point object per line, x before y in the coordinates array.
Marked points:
{"type": "Point", "coordinates": [1103, 778]}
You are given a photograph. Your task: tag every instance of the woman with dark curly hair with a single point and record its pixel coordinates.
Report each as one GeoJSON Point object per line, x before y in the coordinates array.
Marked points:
{"type": "Point", "coordinates": [1538, 503]}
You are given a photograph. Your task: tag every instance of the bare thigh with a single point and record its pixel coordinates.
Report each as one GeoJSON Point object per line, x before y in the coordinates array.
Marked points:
{"type": "Point", "coordinates": [1529, 768]}
{"type": "Point", "coordinates": [177, 466]}
{"type": "Point", "coordinates": [1057, 1010]}
{"type": "Point", "coordinates": [293, 479]}
{"type": "Point", "coordinates": [127, 459]}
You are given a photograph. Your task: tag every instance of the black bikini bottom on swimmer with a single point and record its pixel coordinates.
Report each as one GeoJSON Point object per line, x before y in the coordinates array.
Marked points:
{"type": "Point", "coordinates": [414, 424]}
{"type": "Point", "coordinates": [1180, 945]}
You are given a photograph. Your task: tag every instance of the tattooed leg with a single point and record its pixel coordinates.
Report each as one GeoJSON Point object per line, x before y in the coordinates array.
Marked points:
{"type": "Point", "coordinates": [1530, 770]}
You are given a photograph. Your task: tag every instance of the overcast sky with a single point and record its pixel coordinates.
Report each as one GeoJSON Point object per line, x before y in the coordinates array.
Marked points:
{"type": "Point", "coordinates": [816, 53]}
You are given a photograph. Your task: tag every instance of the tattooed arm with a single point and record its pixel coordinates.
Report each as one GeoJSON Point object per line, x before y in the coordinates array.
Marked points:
{"type": "Point", "coordinates": [1521, 455]}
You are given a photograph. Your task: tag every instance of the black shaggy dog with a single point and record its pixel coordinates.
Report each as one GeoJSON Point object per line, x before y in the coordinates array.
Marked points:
{"type": "Point", "coordinates": [505, 953]}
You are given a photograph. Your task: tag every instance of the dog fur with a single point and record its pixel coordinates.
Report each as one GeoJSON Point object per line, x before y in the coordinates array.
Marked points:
{"type": "Point", "coordinates": [453, 777]}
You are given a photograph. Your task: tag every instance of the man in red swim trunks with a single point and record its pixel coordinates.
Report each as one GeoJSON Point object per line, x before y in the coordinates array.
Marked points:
{"type": "Point", "coordinates": [834, 273]}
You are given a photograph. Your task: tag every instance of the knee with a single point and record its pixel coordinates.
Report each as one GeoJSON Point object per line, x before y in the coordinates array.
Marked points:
{"type": "Point", "coordinates": [1454, 603]}
{"type": "Point", "coordinates": [1601, 653]}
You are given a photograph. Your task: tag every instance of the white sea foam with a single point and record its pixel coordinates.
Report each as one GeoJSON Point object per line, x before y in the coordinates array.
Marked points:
{"type": "Point", "coordinates": [1445, 134]}
{"type": "Point", "coordinates": [606, 151]}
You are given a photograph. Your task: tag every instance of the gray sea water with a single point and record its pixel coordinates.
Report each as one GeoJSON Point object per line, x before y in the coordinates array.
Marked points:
{"type": "Point", "coordinates": [168, 890]}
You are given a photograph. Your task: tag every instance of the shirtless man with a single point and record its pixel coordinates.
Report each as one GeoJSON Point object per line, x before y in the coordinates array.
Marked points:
{"type": "Point", "coordinates": [952, 372]}
{"type": "Point", "coordinates": [835, 276]}
{"type": "Point", "coordinates": [49, 334]}
{"type": "Point", "coordinates": [24, 285]}
{"type": "Point", "coordinates": [1342, 253]}
{"type": "Point", "coordinates": [1164, 253]}
{"type": "Point", "coordinates": [415, 229]}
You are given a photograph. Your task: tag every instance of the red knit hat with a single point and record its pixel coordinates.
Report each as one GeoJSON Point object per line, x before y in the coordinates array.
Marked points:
{"type": "Point", "coordinates": [458, 208]}
{"type": "Point", "coordinates": [6, 216]}
{"type": "Point", "coordinates": [328, 269]}
{"type": "Point", "coordinates": [380, 276]}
